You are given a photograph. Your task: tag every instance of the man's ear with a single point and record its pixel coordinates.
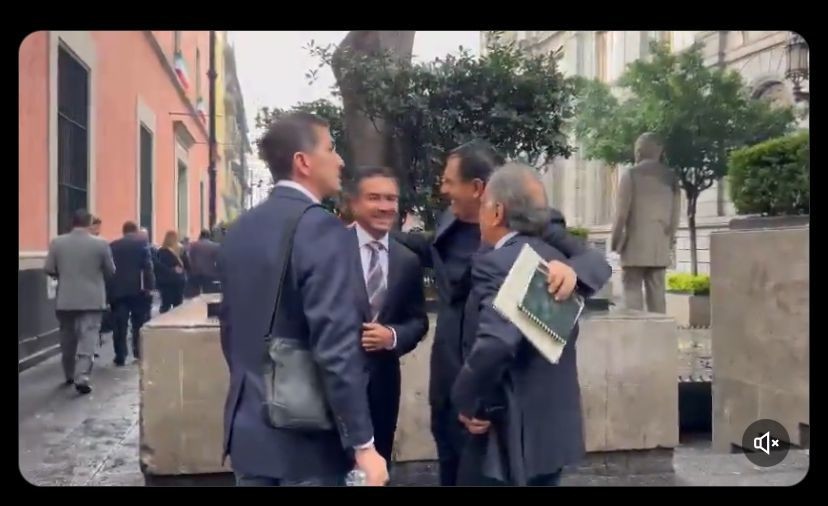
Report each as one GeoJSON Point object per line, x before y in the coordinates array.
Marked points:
{"type": "Point", "coordinates": [479, 187]}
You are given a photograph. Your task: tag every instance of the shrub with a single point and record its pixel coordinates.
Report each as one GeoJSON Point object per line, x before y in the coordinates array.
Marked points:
{"type": "Point", "coordinates": [583, 233]}
{"type": "Point", "coordinates": [688, 283]}
{"type": "Point", "coordinates": [772, 178]}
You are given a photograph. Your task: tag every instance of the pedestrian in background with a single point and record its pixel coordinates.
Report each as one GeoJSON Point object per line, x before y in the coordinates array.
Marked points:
{"type": "Point", "coordinates": [170, 275]}
{"type": "Point", "coordinates": [129, 289]}
{"type": "Point", "coordinates": [81, 263]}
{"type": "Point", "coordinates": [203, 255]}
{"type": "Point", "coordinates": [95, 229]}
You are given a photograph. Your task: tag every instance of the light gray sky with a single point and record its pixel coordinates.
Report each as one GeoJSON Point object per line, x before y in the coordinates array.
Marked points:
{"type": "Point", "coordinates": [272, 65]}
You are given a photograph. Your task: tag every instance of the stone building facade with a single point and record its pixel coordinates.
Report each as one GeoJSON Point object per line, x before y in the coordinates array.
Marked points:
{"type": "Point", "coordinates": [584, 190]}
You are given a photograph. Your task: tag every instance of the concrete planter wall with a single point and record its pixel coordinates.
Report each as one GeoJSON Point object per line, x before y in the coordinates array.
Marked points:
{"type": "Point", "coordinates": [760, 301]}
{"type": "Point", "coordinates": [689, 310]}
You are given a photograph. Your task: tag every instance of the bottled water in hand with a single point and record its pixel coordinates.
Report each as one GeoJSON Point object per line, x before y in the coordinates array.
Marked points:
{"type": "Point", "coordinates": [355, 478]}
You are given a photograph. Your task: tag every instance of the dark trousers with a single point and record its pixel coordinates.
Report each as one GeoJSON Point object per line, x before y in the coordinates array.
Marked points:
{"type": "Point", "coordinates": [243, 480]}
{"type": "Point", "coordinates": [199, 284]}
{"type": "Point", "coordinates": [171, 296]}
{"type": "Point", "coordinates": [384, 403]}
{"type": "Point", "coordinates": [131, 309]}
{"type": "Point", "coordinates": [450, 437]}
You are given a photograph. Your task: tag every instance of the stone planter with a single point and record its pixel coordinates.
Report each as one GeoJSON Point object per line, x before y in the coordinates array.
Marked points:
{"type": "Point", "coordinates": [689, 310]}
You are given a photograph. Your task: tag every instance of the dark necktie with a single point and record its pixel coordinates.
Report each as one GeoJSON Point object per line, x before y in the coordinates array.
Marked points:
{"type": "Point", "coordinates": [375, 284]}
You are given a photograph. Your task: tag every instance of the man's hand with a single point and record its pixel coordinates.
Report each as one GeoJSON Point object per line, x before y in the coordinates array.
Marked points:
{"type": "Point", "coordinates": [373, 465]}
{"type": "Point", "coordinates": [178, 269]}
{"type": "Point", "coordinates": [475, 426]}
{"type": "Point", "coordinates": [376, 337]}
{"type": "Point", "coordinates": [562, 280]}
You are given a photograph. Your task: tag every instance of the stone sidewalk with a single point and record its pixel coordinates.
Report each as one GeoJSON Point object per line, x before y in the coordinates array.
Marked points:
{"type": "Point", "coordinates": [68, 439]}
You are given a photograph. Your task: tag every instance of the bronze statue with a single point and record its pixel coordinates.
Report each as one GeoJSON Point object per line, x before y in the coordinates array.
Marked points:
{"type": "Point", "coordinates": [646, 221]}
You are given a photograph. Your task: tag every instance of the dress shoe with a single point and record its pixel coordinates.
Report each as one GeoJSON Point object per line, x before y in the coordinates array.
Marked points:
{"type": "Point", "coordinates": [83, 388]}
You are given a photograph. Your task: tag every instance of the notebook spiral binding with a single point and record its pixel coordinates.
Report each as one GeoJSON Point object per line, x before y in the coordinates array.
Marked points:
{"type": "Point", "coordinates": [540, 324]}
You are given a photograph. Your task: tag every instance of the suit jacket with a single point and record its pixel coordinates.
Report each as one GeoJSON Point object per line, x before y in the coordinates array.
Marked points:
{"type": "Point", "coordinates": [314, 309]}
{"type": "Point", "coordinates": [134, 273]}
{"type": "Point", "coordinates": [80, 262]}
{"type": "Point", "coordinates": [453, 282]}
{"type": "Point", "coordinates": [203, 255]}
{"type": "Point", "coordinates": [647, 215]}
{"type": "Point", "coordinates": [164, 265]}
{"type": "Point", "coordinates": [542, 425]}
{"type": "Point", "coordinates": [404, 306]}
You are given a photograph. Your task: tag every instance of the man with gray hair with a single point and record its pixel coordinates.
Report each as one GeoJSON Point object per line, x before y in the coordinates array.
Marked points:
{"type": "Point", "coordinates": [646, 219]}
{"type": "Point", "coordinates": [507, 393]}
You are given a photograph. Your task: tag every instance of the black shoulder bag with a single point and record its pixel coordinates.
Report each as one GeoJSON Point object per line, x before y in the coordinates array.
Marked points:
{"type": "Point", "coordinates": [294, 393]}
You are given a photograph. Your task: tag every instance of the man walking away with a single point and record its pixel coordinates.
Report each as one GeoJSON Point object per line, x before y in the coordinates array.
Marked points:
{"type": "Point", "coordinates": [81, 263]}
{"type": "Point", "coordinates": [314, 309]}
{"type": "Point", "coordinates": [389, 290]}
{"type": "Point", "coordinates": [203, 256]}
{"type": "Point", "coordinates": [129, 289]}
{"type": "Point", "coordinates": [646, 220]}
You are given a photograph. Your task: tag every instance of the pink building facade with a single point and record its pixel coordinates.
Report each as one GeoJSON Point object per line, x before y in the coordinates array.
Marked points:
{"type": "Point", "coordinates": [114, 122]}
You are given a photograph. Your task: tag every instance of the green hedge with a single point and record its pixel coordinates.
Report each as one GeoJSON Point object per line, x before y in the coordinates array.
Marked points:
{"type": "Point", "coordinates": [772, 178]}
{"type": "Point", "coordinates": [688, 283]}
{"type": "Point", "coordinates": [583, 233]}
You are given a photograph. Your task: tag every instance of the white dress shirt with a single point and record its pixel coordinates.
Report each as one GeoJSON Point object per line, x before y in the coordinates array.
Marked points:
{"type": "Point", "coordinates": [505, 238]}
{"type": "Point", "coordinates": [364, 239]}
{"type": "Point", "coordinates": [287, 183]}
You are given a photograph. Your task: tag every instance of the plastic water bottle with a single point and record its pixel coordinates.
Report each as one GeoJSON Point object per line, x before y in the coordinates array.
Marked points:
{"type": "Point", "coordinates": [355, 478]}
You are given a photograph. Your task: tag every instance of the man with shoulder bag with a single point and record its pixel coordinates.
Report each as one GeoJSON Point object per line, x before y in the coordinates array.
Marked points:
{"type": "Point", "coordinates": [297, 408]}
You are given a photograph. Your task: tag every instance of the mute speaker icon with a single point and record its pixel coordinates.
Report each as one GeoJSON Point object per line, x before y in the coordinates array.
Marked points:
{"type": "Point", "coordinates": [762, 443]}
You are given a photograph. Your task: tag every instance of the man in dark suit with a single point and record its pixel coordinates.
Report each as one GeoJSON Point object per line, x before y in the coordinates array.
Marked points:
{"type": "Point", "coordinates": [316, 307]}
{"type": "Point", "coordinates": [449, 252]}
{"type": "Point", "coordinates": [203, 256]}
{"type": "Point", "coordinates": [538, 404]}
{"type": "Point", "coordinates": [388, 280]}
{"type": "Point", "coordinates": [129, 288]}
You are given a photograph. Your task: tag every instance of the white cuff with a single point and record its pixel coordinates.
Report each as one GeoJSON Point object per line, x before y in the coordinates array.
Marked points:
{"type": "Point", "coordinates": [393, 344]}
{"type": "Point", "coordinates": [365, 446]}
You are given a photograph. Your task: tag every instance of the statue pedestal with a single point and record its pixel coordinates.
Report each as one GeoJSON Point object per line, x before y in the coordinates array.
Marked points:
{"type": "Point", "coordinates": [183, 389]}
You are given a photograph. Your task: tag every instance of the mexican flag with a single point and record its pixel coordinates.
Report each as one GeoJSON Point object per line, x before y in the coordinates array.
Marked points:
{"type": "Point", "coordinates": [181, 70]}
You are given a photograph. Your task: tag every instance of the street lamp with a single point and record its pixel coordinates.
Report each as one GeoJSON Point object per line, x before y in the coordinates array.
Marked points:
{"type": "Point", "coordinates": [797, 55]}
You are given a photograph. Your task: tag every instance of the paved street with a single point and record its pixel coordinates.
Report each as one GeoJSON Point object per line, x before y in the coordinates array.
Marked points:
{"type": "Point", "coordinates": [67, 439]}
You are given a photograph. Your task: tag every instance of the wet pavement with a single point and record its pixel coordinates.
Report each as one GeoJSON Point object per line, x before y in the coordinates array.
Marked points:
{"type": "Point", "coordinates": [69, 439]}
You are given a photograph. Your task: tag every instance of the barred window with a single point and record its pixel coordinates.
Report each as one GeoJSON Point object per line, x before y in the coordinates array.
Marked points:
{"type": "Point", "coordinates": [145, 169]}
{"type": "Point", "coordinates": [73, 138]}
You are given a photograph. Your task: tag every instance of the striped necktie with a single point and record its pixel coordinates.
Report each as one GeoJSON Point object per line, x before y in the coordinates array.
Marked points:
{"type": "Point", "coordinates": [375, 284]}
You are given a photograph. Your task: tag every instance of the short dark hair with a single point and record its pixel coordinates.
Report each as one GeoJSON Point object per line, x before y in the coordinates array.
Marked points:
{"type": "Point", "coordinates": [129, 227]}
{"type": "Point", "coordinates": [478, 159]}
{"type": "Point", "coordinates": [81, 218]}
{"type": "Point", "coordinates": [360, 174]}
{"type": "Point", "coordinates": [96, 221]}
{"type": "Point", "coordinates": [204, 234]}
{"type": "Point", "coordinates": [284, 138]}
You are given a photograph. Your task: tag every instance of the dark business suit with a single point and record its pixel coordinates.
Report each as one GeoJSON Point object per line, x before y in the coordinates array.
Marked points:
{"type": "Point", "coordinates": [403, 311]}
{"type": "Point", "coordinates": [128, 290]}
{"type": "Point", "coordinates": [449, 253]}
{"type": "Point", "coordinates": [319, 277]}
{"type": "Point", "coordinates": [541, 427]}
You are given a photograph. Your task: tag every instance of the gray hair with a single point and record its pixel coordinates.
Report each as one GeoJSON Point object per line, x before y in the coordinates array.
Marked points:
{"type": "Point", "coordinates": [648, 146]}
{"type": "Point", "coordinates": [511, 185]}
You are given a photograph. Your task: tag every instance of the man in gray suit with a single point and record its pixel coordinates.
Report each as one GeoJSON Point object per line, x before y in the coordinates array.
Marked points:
{"type": "Point", "coordinates": [646, 220]}
{"type": "Point", "coordinates": [523, 412]}
{"type": "Point", "coordinates": [80, 262]}
{"type": "Point", "coordinates": [203, 258]}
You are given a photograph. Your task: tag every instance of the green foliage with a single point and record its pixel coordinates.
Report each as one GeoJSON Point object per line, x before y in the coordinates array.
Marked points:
{"type": "Point", "coordinates": [516, 102]}
{"type": "Point", "coordinates": [688, 283]}
{"type": "Point", "coordinates": [581, 232]}
{"type": "Point", "coordinates": [702, 113]}
{"type": "Point", "coordinates": [772, 178]}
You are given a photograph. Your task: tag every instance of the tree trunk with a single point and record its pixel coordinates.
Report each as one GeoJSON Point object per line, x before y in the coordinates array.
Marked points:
{"type": "Point", "coordinates": [368, 142]}
{"type": "Point", "coordinates": [691, 226]}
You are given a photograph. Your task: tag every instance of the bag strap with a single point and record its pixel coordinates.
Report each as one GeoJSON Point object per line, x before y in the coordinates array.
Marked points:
{"type": "Point", "coordinates": [284, 252]}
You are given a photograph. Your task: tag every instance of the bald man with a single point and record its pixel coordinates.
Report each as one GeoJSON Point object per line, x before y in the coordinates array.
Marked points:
{"type": "Point", "coordinates": [646, 220]}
